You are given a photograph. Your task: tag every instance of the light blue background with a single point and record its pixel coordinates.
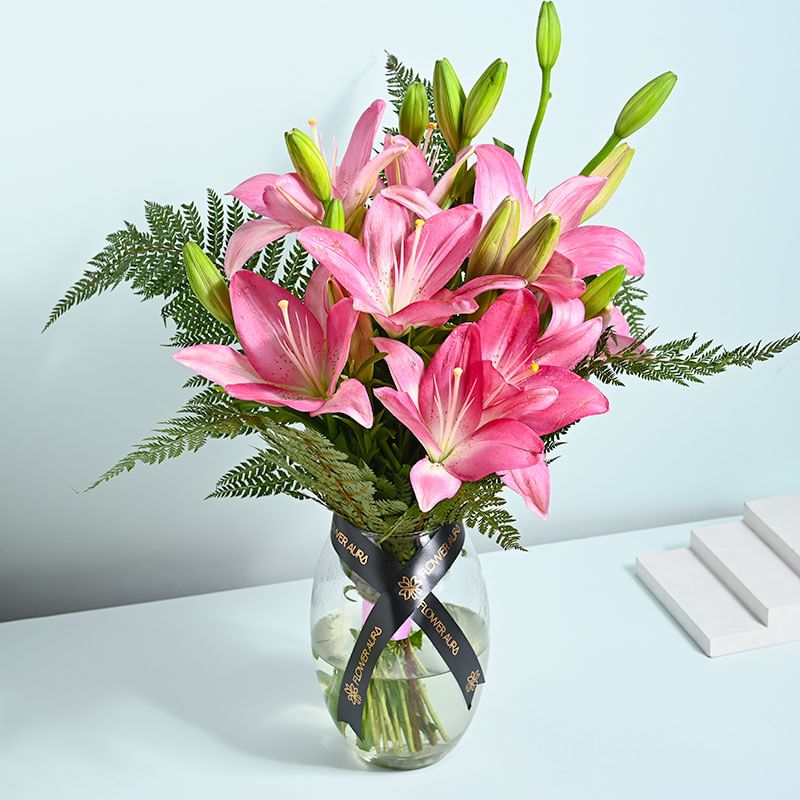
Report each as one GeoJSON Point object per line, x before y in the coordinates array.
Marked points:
{"type": "Point", "coordinates": [108, 104]}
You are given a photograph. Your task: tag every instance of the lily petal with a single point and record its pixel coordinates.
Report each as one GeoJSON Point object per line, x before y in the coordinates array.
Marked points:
{"type": "Point", "coordinates": [218, 363]}
{"type": "Point", "coordinates": [351, 399]}
{"type": "Point", "coordinates": [597, 248]}
{"type": "Point", "coordinates": [270, 395]}
{"type": "Point", "coordinates": [567, 347]}
{"type": "Point", "coordinates": [401, 406]}
{"type": "Point", "coordinates": [345, 258]}
{"type": "Point", "coordinates": [340, 325]}
{"type": "Point", "coordinates": [359, 149]}
{"type": "Point", "coordinates": [533, 484]}
{"type": "Point", "coordinates": [251, 191]}
{"type": "Point", "coordinates": [290, 201]}
{"type": "Point", "coordinates": [499, 445]}
{"type": "Point", "coordinates": [576, 399]}
{"type": "Point", "coordinates": [445, 183]}
{"type": "Point", "coordinates": [509, 331]}
{"type": "Point", "coordinates": [559, 279]}
{"type": "Point", "coordinates": [405, 365]}
{"type": "Point", "coordinates": [249, 238]}
{"type": "Point", "coordinates": [497, 176]}
{"type": "Point", "coordinates": [451, 390]}
{"type": "Point", "coordinates": [364, 182]}
{"type": "Point", "coordinates": [410, 169]}
{"type": "Point", "coordinates": [262, 330]}
{"type": "Point", "coordinates": [431, 483]}
{"type": "Point", "coordinates": [415, 200]}
{"type": "Point", "coordinates": [569, 200]}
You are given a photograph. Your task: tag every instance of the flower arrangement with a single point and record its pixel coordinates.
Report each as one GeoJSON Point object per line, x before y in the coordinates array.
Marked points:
{"type": "Point", "coordinates": [405, 328]}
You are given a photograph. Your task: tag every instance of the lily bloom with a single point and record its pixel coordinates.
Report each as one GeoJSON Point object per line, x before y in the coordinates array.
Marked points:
{"type": "Point", "coordinates": [582, 250]}
{"type": "Point", "coordinates": [529, 367]}
{"type": "Point", "coordinates": [442, 405]}
{"type": "Point", "coordinates": [287, 205]}
{"type": "Point", "coordinates": [400, 274]}
{"type": "Point", "coordinates": [292, 357]}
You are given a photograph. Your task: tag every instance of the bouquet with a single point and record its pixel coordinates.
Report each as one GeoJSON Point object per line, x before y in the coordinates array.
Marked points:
{"type": "Point", "coordinates": [408, 332]}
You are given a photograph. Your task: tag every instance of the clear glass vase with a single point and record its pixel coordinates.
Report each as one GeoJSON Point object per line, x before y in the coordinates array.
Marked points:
{"type": "Point", "coordinates": [414, 710]}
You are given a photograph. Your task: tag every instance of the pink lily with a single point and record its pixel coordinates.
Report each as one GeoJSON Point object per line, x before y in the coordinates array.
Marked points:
{"type": "Point", "coordinates": [530, 366]}
{"type": "Point", "coordinates": [399, 275]}
{"type": "Point", "coordinates": [294, 353]}
{"type": "Point", "coordinates": [442, 405]}
{"type": "Point", "coordinates": [582, 250]}
{"type": "Point", "coordinates": [511, 344]}
{"type": "Point", "coordinates": [286, 205]}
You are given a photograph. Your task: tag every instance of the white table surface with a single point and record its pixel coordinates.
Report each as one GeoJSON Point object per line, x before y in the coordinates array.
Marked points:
{"type": "Point", "coordinates": [593, 692]}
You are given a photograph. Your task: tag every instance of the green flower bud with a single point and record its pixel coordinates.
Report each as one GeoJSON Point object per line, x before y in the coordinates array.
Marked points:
{"type": "Point", "coordinates": [644, 105]}
{"type": "Point", "coordinates": [448, 102]}
{"type": "Point", "coordinates": [532, 252]}
{"type": "Point", "coordinates": [482, 100]}
{"type": "Point", "coordinates": [548, 36]}
{"type": "Point", "coordinates": [208, 284]}
{"type": "Point", "coordinates": [334, 215]}
{"type": "Point", "coordinates": [414, 112]}
{"type": "Point", "coordinates": [613, 167]}
{"type": "Point", "coordinates": [309, 163]}
{"type": "Point", "coordinates": [498, 236]}
{"type": "Point", "coordinates": [602, 290]}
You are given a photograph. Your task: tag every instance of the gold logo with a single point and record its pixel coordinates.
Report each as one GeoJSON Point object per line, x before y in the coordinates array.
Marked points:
{"type": "Point", "coordinates": [472, 680]}
{"type": "Point", "coordinates": [408, 588]}
{"type": "Point", "coordinates": [352, 694]}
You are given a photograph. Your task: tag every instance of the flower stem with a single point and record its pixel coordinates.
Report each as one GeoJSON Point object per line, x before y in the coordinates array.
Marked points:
{"type": "Point", "coordinates": [612, 142]}
{"type": "Point", "coordinates": [544, 98]}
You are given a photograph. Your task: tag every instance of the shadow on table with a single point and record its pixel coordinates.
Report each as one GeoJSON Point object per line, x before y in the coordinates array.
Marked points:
{"type": "Point", "coordinates": [251, 690]}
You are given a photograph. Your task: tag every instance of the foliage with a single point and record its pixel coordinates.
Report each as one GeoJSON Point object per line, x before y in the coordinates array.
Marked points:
{"type": "Point", "coordinates": [150, 261]}
{"type": "Point", "coordinates": [681, 361]}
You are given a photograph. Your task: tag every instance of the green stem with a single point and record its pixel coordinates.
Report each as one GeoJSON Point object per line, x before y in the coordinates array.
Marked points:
{"type": "Point", "coordinates": [544, 98]}
{"type": "Point", "coordinates": [402, 704]}
{"type": "Point", "coordinates": [387, 451]}
{"type": "Point", "coordinates": [429, 705]}
{"type": "Point", "coordinates": [612, 142]}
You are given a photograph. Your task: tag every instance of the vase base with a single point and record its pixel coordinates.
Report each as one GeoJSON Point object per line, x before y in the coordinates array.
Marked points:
{"type": "Point", "coordinates": [405, 760]}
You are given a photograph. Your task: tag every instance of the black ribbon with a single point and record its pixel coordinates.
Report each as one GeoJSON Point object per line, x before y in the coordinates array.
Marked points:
{"type": "Point", "coordinates": [406, 590]}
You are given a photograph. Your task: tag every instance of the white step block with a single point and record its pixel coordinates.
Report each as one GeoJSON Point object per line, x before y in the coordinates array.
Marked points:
{"type": "Point", "coordinates": [777, 521]}
{"type": "Point", "coordinates": [705, 608]}
{"type": "Point", "coordinates": [709, 612]}
{"type": "Point", "coordinates": [751, 569]}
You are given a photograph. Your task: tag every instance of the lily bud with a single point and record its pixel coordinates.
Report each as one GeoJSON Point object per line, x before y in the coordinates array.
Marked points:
{"type": "Point", "coordinates": [548, 36]}
{"type": "Point", "coordinates": [334, 215]}
{"type": "Point", "coordinates": [644, 105]}
{"type": "Point", "coordinates": [498, 236]}
{"type": "Point", "coordinates": [448, 102]}
{"type": "Point", "coordinates": [602, 290]}
{"type": "Point", "coordinates": [414, 112]}
{"type": "Point", "coordinates": [483, 99]}
{"type": "Point", "coordinates": [207, 284]}
{"type": "Point", "coordinates": [309, 163]}
{"type": "Point", "coordinates": [532, 252]}
{"type": "Point", "coordinates": [613, 167]}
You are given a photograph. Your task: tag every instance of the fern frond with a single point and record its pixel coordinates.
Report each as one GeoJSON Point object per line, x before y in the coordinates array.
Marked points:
{"type": "Point", "coordinates": [682, 361]}
{"type": "Point", "coordinates": [201, 419]}
{"type": "Point", "coordinates": [258, 476]}
{"type": "Point", "coordinates": [630, 300]}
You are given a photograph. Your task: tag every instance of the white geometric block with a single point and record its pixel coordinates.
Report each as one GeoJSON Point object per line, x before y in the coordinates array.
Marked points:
{"type": "Point", "coordinates": [751, 569]}
{"type": "Point", "coordinates": [777, 521]}
{"type": "Point", "coordinates": [698, 600]}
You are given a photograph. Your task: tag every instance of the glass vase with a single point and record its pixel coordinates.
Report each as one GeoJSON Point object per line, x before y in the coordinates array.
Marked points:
{"type": "Point", "coordinates": [414, 711]}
